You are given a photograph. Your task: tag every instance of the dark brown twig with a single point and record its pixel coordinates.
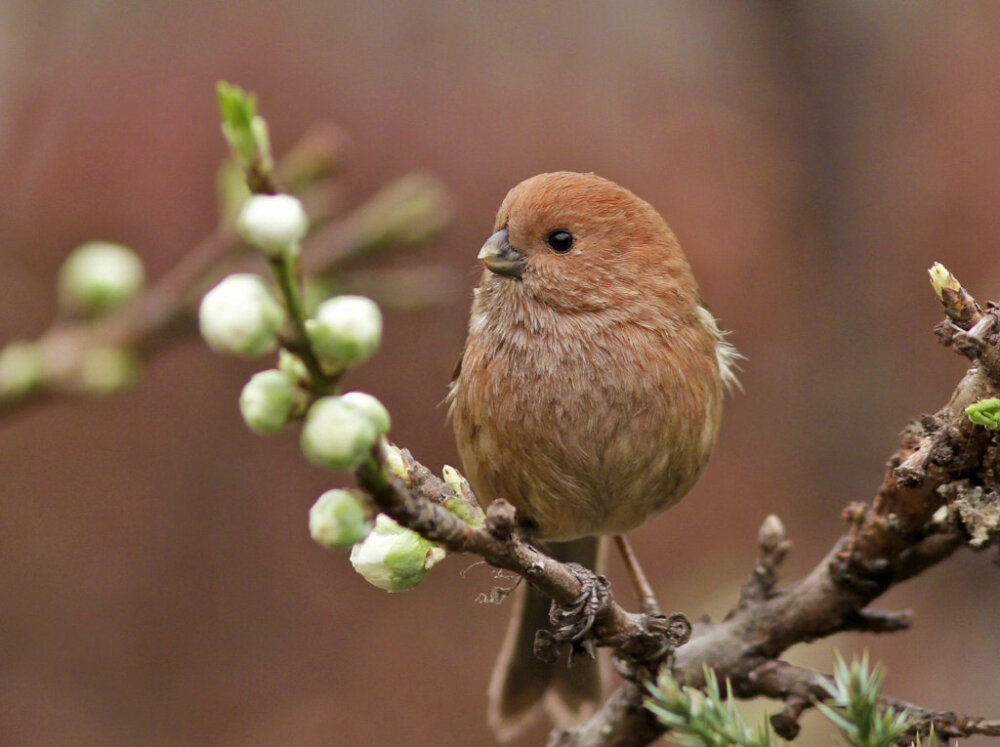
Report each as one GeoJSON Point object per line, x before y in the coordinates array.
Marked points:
{"type": "Point", "coordinates": [647, 599]}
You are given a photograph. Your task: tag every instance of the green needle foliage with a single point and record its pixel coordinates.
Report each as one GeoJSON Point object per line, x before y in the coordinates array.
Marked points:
{"type": "Point", "coordinates": [702, 718]}
{"type": "Point", "coordinates": [855, 691]}
{"type": "Point", "coordinates": [707, 719]}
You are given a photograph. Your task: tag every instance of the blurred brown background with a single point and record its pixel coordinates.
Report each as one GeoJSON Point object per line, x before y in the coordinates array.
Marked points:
{"type": "Point", "coordinates": [158, 583]}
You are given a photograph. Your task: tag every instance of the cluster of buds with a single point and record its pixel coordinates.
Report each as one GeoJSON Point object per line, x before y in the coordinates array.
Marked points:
{"type": "Point", "coordinates": [243, 316]}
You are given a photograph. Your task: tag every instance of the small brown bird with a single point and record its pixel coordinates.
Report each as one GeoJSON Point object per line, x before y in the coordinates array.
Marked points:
{"type": "Point", "coordinates": [589, 394]}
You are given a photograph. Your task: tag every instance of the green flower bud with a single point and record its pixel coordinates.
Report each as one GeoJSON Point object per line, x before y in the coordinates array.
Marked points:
{"type": "Point", "coordinates": [346, 329]}
{"type": "Point", "coordinates": [267, 400]}
{"type": "Point", "coordinates": [336, 435]}
{"type": "Point", "coordinates": [106, 370]}
{"type": "Point", "coordinates": [394, 558]}
{"type": "Point", "coordinates": [21, 369]}
{"type": "Point", "coordinates": [366, 405]}
{"type": "Point", "coordinates": [240, 316]}
{"type": "Point", "coordinates": [275, 224]}
{"type": "Point", "coordinates": [338, 519]}
{"type": "Point", "coordinates": [99, 276]}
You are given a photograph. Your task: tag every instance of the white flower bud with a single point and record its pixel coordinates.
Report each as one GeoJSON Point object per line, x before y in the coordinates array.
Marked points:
{"type": "Point", "coordinates": [266, 401]}
{"type": "Point", "coordinates": [99, 276]}
{"type": "Point", "coordinates": [275, 224]}
{"type": "Point", "coordinates": [346, 329]}
{"type": "Point", "coordinates": [21, 368]}
{"type": "Point", "coordinates": [240, 316]}
{"type": "Point", "coordinates": [107, 369]}
{"type": "Point", "coordinates": [394, 558]}
{"type": "Point", "coordinates": [366, 405]}
{"type": "Point", "coordinates": [337, 520]}
{"type": "Point", "coordinates": [336, 435]}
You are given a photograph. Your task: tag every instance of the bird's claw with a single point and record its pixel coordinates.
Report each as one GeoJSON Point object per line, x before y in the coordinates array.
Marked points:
{"type": "Point", "coordinates": [573, 623]}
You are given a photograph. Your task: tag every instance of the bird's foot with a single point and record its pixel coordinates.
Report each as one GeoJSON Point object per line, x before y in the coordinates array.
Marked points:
{"type": "Point", "coordinates": [573, 623]}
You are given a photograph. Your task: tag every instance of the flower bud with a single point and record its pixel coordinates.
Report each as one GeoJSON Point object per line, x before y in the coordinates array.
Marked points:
{"type": "Point", "coordinates": [338, 519]}
{"type": "Point", "coordinates": [394, 558]}
{"type": "Point", "coordinates": [267, 400]}
{"type": "Point", "coordinates": [240, 316]}
{"type": "Point", "coordinates": [106, 370]}
{"type": "Point", "coordinates": [21, 369]}
{"type": "Point", "coordinates": [336, 435]}
{"type": "Point", "coordinates": [346, 329]}
{"type": "Point", "coordinates": [275, 224]}
{"type": "Point", "coordinates": [99, 276]}
{"type": "Point", "coordinates": [366, 405]}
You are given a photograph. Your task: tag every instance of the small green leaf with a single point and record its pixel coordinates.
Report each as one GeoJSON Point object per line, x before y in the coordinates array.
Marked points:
{"type": "Point", "coordinates": [986, 413]}
{"type": "Point", "coordinates": [243, 128]}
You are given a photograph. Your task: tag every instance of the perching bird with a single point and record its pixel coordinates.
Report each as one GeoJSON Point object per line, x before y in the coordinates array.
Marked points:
{"type": "Point", "coordinates": [589, 394]}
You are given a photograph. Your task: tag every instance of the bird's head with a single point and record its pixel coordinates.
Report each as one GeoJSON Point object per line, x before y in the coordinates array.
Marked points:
{"type": "Point", "coordinates": [578, 242]}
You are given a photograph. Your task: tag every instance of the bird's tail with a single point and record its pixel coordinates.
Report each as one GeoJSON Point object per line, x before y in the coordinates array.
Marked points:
{"type": "Point", "coordinates": [522, 686]}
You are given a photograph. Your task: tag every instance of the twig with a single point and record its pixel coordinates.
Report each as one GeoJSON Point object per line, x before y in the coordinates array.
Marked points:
{"type": "Point", "coordinates": [647, 599]}
{"type": "Point", "coordinates": [499, 541]}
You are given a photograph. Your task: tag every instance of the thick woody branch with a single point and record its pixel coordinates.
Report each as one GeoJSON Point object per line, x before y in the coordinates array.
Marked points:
{"type": "Point", "coordinates": [900, 534]}
{"type": "Point", "coordinates": [909, 526]}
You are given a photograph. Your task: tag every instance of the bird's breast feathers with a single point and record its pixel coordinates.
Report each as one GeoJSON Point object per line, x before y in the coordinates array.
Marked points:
{"type": "Point", "coordinates": [585, 421]}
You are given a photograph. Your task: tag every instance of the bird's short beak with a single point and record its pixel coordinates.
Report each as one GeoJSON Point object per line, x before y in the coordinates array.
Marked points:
{"type": "Point", "coordinates": [500, 257]}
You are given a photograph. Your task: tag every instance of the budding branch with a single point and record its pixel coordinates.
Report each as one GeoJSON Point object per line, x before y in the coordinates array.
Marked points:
{"type": "Point", "coordinates": [405, 212]}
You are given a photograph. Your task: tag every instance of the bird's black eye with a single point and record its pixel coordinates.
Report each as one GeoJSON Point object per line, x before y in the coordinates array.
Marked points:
{"type": "Point", "coordinates": [560, 241]}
